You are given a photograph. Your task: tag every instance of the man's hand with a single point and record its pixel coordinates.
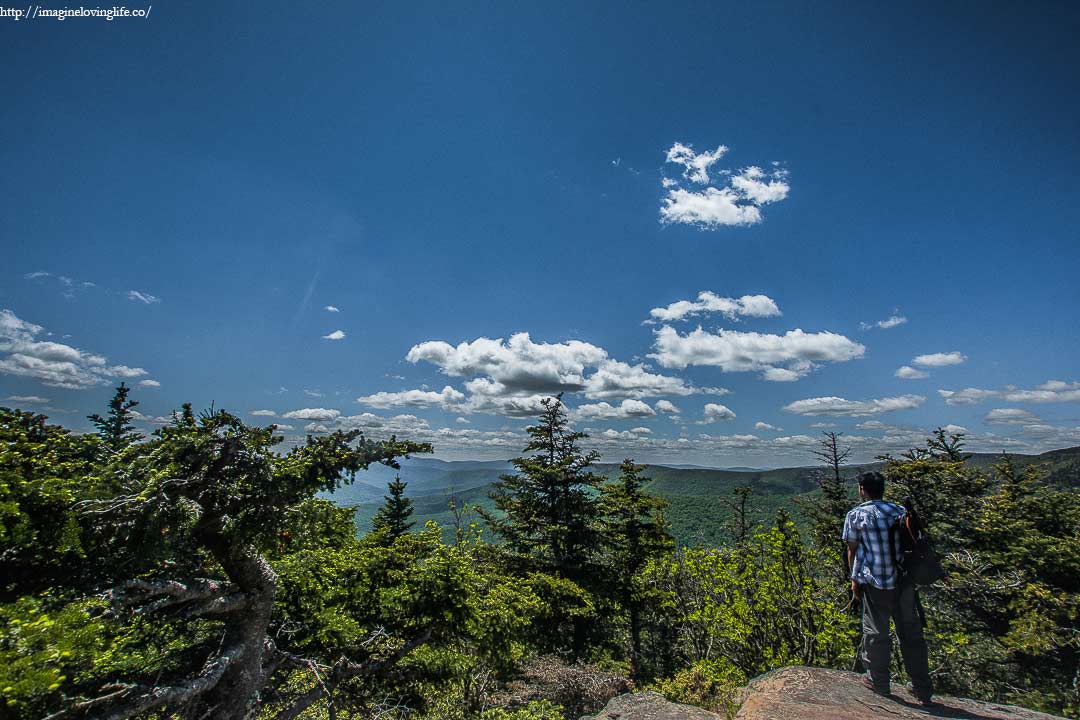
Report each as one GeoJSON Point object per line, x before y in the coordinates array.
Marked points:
{"type": "Point", "coordinates": [854, 589]}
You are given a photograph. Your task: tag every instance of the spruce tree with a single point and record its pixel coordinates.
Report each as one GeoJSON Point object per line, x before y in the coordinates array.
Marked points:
{"type": "Point", "coordinates": [547, 507]}
{"type": "Point", "coordinates": [393, 516]}
{"type": "Point", "coordinates": [635, 531]}
{"type": "Point", "coordinates": [115, 428]}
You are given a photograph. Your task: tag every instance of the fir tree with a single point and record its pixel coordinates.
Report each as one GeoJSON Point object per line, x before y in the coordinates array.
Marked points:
{"type": "Point", "coordinates": [393, 516]}
{"type": "Point", "coordinates": [115, 429]}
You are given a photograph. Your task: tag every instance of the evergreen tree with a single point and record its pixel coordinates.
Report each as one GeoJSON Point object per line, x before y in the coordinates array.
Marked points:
{"type": "Point", "coordinates": [547, 509]}
{"type": "Point", "coordinates": [393, 516]}
{"type": "Point", "coordinates": [547, 506]}
{"type": "Point", "coordinates": [115, 429]}
{"type": "Point", "coordinates": [635, 531]}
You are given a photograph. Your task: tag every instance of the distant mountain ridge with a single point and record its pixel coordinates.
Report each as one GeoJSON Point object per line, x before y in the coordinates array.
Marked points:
{"type": "Point", "coordinates": [695, 495]}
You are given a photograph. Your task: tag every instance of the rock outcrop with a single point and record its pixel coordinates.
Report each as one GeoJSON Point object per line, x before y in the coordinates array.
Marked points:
{"type": "Point", "coordinates": [799, 693]}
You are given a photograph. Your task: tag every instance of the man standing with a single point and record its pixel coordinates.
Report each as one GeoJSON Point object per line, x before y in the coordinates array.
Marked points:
{"type": "Point", "coordinates": [875, 578]}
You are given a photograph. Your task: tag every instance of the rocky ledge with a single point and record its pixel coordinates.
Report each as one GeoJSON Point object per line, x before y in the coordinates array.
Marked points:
{"type": "Point", "coordinates": [799, 693]}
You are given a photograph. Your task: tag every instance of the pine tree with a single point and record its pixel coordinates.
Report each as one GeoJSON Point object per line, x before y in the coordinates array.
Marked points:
{"type": "Point", "coordinates": [393, 516]}
{"type": "Point", "coordinates": [115, 429]}
{"type": "Point", "coordinates": [634, 529]}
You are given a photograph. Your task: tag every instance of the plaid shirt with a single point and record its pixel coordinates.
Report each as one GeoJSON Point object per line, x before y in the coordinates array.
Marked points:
{"type": "Point", "coordinates": [868, 525]}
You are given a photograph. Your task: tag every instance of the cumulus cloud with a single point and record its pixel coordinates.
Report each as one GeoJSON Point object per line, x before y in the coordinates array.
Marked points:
{"type": "Point", "coordinates": [331, 308]}
{"type": "Point", "coordinates": [312, 414]}
{"type": "Point", "coordinates": [1010, 416]}
{"type": "Point", "coordinates": [336, 335]}
{"type": "Point", "coordinates": [779, 357]}
{"type": "Point", "coordinates": [715, 412]}
{"type": "Point", "coordinates": [666, 406]}
{"type": "Point", "coordinates": [606, 411]}
{"type": "Point", "coordinates": [1048, 392]}
{"type": "Point", "coordinates": [263, 413]}
{"type": "Point", "coordinates": [906, 372]}
{"type": "Point", "coordinates": [952, 429]}
{"type": "Point", "coordinates": [144, 297]}
{"type": "Point", "coordinates": [512, 376]}
{"type": "Point", "coordinates": [840, 407]}
{"type": "Point", "coordinates": [759, 425]}
{"type": "Point", "coordinates": [51, 363]}
{"type": "Point", "coordinates": [448, 398]}
{"type": "Point", "coordinates": [149, 383]}
{"type": "Point", "coordinates": [889, 322]}
{"type": "Point", "coordinates": [939, 359]}
{"type": "Point", "coordinates": [736, 203]}
{"type": "Point", "coordinates": [709, 302]}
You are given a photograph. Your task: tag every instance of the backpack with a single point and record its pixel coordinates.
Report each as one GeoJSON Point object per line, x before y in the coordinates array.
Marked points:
{"type": "Point", "coordinates": [918, 564]}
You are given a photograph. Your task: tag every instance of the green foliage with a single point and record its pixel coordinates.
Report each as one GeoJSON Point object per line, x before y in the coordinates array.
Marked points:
{"type": "Point", "coordinates": [711, 684]}
{"type": "Point", "coordinates": [1004, 625]}
{"type": "Point", "coordinates": [756, 607]}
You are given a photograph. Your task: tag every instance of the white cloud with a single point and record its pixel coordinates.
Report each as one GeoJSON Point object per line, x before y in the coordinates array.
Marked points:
{"type": "Point", "coordinates": [448, 398]}
{"type": "Point", "coordinates": [336, 335]}
{"type": "Point", "coordinates": [759, 425]}
{"type": "Point", "coordinates": [149, 383]}
{"type": "Point", "coordinates": [284, 426]}
{"type": "Point", "coordinates": [314, 414]}
{"type": "Point", "coordinates": [1010, 416]}
{"type": "Point", "coordinates": [462, 421]}
{"type": "Point", "coordinates": [709, 302]}
{"type": "Point", "coordinates": [512, 377]}
{"type": "Point", "coordinates": [889, 322]}
{"type": "Point", "coordinates": [939, 359]}
{"type": "Point", "coordinates": [666, 406]}
{"type": "Point", "coordinates": [143, 297]}
{"type": "Point", "coordinates": [737, 203]}
{"type": "Point", "coordinates": [331, 308]}
{"type": "Point", "coordinates": [751, 184]}
{"type": "Point", "coordinates": [708, 209]}
{"type": "Point", "coordinates": [641, 431]}
{"type": "Point", "coordinates": [735, 351]}
{"type": "Point", "coordinates": [51, 363]}
{"type": "Point", "coordinates": [696, 165]}
{"type": "Point", "coordinates": [906, 372]}
{"type": "Point", "coordinates": [1048, 392]}
{"type": "Point", "coordinates": [715, 412]}
{"type": "Point", "coordinates": [615, 379]}
{"type": "Point", "coordinates": [823, 425]}
{"type": "Point", "coordinates": [263, 413]}
{"type": "Point", "coordinates": [840, 407]}
{"type": "Point", "coordinates": [605, 411]}
{"type": "Point", "coordinates": [28, 399]}
{"type": "Point", "coordinates": [955, 429]}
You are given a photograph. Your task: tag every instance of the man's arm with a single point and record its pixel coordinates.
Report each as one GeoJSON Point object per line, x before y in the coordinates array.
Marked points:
{"type": "Point", "coordinates": [852, 546]}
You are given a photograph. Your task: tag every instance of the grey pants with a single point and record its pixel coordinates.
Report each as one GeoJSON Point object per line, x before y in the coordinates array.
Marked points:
{"type": "Point", "coordinates": [902, 606]}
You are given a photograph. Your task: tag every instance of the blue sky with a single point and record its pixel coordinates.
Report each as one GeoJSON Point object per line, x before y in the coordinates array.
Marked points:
{"type": "Point", "coordinates": [186, 194]}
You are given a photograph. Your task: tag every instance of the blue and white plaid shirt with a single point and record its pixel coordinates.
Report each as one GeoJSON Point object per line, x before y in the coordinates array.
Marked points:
{"type": "Point", "coordinates": [868, 525]}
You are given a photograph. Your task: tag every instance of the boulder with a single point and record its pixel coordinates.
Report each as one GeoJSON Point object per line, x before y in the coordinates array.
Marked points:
{"type": "Point", "coordinates": [650, 706]}
{"type": "Point", "coordinates": [801, 693]}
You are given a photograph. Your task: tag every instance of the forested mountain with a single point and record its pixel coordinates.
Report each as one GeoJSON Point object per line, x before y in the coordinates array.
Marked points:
{"type": "Point", "coordinates": [696, 496]}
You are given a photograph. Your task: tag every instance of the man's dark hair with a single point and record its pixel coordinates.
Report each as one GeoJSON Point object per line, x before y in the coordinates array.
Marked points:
{"type": "Point", "coordinates": [873, 483]}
